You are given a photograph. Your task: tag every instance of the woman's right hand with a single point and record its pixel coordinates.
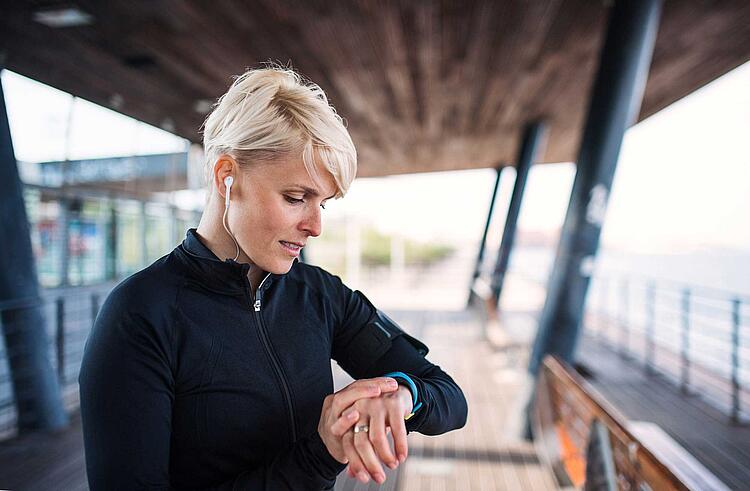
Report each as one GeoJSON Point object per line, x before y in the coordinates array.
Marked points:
{"type": "Point", "coordinates": [332, 425]}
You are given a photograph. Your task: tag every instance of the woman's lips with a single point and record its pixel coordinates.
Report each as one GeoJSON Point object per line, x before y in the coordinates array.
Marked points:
{"type": "Point", "coordinates": [290, 247]}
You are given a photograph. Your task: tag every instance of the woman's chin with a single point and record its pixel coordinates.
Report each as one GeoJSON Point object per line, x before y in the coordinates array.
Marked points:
{"type": "Point", "coordinates": [280, 266]}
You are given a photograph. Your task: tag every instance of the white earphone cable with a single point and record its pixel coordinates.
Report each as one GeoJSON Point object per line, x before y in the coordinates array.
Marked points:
{"type": "Point", "coordinates": [224, 222]}
{"type": "Point", "coordinates": [228, 183]}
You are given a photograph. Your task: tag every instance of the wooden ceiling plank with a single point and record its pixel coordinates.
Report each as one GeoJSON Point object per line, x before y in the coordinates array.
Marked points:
{"type": "Point", "coordinates": [395, 64]}
{"type": "Point", "coordinates": [422, 85]}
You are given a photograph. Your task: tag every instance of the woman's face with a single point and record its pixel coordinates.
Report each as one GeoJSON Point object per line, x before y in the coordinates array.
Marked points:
{"type": "Point", "coordinates": [275, 208]}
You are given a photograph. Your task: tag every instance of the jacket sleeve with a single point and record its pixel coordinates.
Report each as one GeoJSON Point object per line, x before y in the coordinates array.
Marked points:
{"type": "Point", "coordinates": [127, 390]}
{"type": "Point", "coordinates": [369, 344]}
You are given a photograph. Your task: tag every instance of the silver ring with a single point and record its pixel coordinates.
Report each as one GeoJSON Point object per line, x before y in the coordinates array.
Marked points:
{"type": "Point", "coordinates": [361, 429]}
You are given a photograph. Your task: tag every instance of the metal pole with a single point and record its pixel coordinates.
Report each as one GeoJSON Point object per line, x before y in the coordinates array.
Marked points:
{"type": "Point", "coordinates": [605, 303]}
{"type": "Point", "coordinates": [736, 360]}
{"type": "Point", "coordinates": [480, 255]}
{"type": "Point", "coordinates": [650, 319]}
{"type": "Point", "coordinates": [63, 224]}
{"type": "Point", "coordinates": [60, 339]}
{"type": "Point", "coordinates": [531, 146]}
{"type": "Point", "coordinates": [624, 320]}
{"type": "Point", "coordinates": [614, 105]}
{"type": "Point", "coordinates": [144, 231]}
{"type": "Point", "coordinates": [685, 351]}
{"type": "Point", "coordinates": [112, 234]}
{"type": "Point", "coordinates": [38, 400]}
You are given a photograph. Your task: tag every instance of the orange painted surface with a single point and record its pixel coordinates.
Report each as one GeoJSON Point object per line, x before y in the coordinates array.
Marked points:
{"type": "Point", "coordinates": [572, 458]}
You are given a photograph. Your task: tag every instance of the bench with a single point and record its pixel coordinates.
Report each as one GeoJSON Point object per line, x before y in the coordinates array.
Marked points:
{"type": "Point", "coordinates": [588, 444]}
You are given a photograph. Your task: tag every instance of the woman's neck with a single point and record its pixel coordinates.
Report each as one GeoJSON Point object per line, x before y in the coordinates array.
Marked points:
{"type": "Point", "coordinates": [213, 235]}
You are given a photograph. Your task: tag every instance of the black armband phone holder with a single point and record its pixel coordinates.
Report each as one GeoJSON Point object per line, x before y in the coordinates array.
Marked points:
{"type": "Point", "coordinates": [376, 337]}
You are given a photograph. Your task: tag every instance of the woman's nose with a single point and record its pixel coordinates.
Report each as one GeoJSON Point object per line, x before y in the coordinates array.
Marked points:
{"type": "Point", "coordinates": [311, 224]}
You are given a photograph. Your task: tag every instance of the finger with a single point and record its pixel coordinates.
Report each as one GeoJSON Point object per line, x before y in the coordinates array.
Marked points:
{"type": "Point", "coordinates": [361, 389]}
{"type": "Point", "coordinates": [368, 456]}
{"type": "Point", "coordinates": [387, 384]}
{"type": "Point", "coordinates": [398, 431]}
{"type": "Point", "coordinates": [344, 423]}
{"type": "Point", "coordinates": [380, 441]}
{"type": "Point", "coordinates": [348, 396]}
{"type": "Point", "coordinates": [356, 466]}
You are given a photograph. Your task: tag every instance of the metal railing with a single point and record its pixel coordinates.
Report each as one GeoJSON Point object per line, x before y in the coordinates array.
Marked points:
{"type": "Point", "coordinates": [696, 337]}
{"type": "Point", "coordinates": [699, 338]}
{"type": "Point", "coordinates": [70, 313]}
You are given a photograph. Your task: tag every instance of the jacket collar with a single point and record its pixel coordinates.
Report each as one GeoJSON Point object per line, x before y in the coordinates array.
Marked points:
{"type": "Point", "coordinates": [226, 276]}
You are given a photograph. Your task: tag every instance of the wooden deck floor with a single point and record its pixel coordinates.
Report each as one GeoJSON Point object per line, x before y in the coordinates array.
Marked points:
{"type": "Point", "coordinates": [700, 428]}
{"type": "Point", "coordinates": [476, 457]}
{"type": "Point", "coordinates": [479, 456]}
{"type": "Point", "coordinates": [41, 461]}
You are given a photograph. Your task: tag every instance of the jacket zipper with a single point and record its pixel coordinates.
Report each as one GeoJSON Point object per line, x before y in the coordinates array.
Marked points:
{"type": "Point", "coordinates": [274, 360]}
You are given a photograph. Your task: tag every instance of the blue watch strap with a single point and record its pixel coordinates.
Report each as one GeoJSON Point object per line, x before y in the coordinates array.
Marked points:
{"type": "Point", "coordinates": [416, 404]}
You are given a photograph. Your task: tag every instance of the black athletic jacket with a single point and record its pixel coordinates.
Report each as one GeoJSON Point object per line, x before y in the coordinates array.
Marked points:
{"type": "Point", "coordinates": [190, 381]}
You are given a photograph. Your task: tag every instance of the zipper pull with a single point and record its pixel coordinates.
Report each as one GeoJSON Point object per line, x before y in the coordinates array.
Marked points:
{"type": "Point", "coordinates": [256, 305]}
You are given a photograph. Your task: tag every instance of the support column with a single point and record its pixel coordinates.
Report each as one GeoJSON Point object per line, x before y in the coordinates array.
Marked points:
{"type": "Point", "coordinates": [533, 139]}
{"type": "Point", "coordinates": [63, 226]}
{"type": "Point", "coordinates": [111, 242]}
{"type": "Point", "coordinates": [482, 244]}
{"type": "Point", "coordinates": [144, 232]}
{"type": "Point", "coordinates": [174, 234]}
{"type": "Point", "coordinates": [35, 385]}
{"type": "Point", "coordinates": [614, 105]}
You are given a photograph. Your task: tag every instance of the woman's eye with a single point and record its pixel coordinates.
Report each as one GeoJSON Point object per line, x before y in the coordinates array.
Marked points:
{"type": "Point", "coordinates": [292, 200]}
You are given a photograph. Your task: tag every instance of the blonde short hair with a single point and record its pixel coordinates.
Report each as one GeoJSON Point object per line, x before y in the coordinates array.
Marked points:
{"type": "Point", "coordinates": [271, 113]}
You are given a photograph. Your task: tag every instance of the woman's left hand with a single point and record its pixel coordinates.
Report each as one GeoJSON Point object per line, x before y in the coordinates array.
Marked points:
{"type": "Point", "coordinates": [365, 450]}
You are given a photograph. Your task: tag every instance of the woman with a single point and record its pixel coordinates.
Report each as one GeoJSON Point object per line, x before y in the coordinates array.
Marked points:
{"type": "Point", "coordinates": [211, 367]}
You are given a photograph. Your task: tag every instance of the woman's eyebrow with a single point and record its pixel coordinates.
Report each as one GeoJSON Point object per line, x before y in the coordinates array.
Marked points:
{"type": "Point", "coordinates": [310, 191]}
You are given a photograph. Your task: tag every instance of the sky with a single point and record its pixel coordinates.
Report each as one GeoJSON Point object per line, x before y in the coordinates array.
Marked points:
{"type": "Point", "coordinates": [682, 182]}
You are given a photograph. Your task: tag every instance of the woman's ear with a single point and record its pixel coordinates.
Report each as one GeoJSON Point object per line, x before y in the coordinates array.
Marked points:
{"type": "Point", "coordinates": [225, 167]}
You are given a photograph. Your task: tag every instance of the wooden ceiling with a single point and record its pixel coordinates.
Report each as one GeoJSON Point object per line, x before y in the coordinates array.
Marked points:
{"type": "Point", "coordinates": [424, 85]}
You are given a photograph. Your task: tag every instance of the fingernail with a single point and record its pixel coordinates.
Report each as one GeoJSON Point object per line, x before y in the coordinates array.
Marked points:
{"type": "Point", "coordinates": [392, 465]}
{"type": "Point", "coordinates": [401, 458]}
{"type": "Point", "coordinates": [351, 415]}
{"type": "Point", "coordinates": [363, 476]}
{"type": "Point", "coordinates": [380, 478]}
{"type": "Point", "coordinates": [392, 383]}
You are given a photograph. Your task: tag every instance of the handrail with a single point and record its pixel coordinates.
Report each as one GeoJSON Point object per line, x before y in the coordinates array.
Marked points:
{"type": "Point", "coordinates": [565, 409]}
{"type": "Point", "coordinates": [560, 381]}
{"type": "Point", "coordinates": [627, 310]}
{"type": "Point", "coordinates": [684, 333]}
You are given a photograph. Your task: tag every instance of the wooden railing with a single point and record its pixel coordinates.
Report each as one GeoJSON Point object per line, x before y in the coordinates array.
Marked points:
{"type": "Point", "coordinates": [586, 441]}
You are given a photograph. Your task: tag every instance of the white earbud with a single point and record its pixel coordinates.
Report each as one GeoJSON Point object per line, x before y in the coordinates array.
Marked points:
{"type": "Point", "coordinates": [228, 183]}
